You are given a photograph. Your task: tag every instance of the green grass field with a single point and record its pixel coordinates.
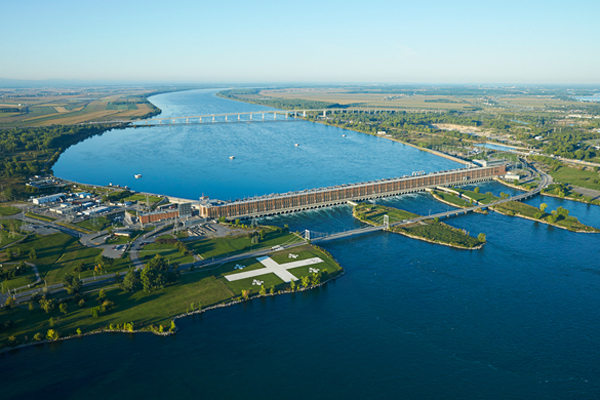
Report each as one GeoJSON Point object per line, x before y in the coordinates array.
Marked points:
{"type": "Point", "coordinates": [450, 198]}
{"type": "Point", "coordinates": [6, 211]}
{"type": "Point", "coordinates": [24, 279]}
{"type": "Point", "coordinates": [144, 309]}
{"type": "Point", "coordinates": [209, 248]}
{"type": "Point", "coordinates": [142, 198]}
{"type": "Point", "coordinates": [577, 177]}
{"type": "Point", "coordinates": [206, 287]}
{"type": "Point", "coordinates": [518, 208]}
{"type": "Point", "coordinates": [483, 198]}
{"type": "Point", "coordinates": [58, 254]}
{"type": "Point", "coordinates": [6, 238]}
{"type": "Point", "coordinates": [281, 257]}
{"type": "Point", "coordinates": [96, 224]}
{"type": "Point", "coordinates": [167, 251]}
{"type": "Point", "coordinates": [440, 232]}
{"type": "Point", "coordinates": [368, 212]}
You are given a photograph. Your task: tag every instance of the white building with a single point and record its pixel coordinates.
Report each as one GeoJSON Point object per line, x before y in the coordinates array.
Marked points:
{"type": "Point", "coordinates": [50, 199]}
{"type": "Point", "coordinates": [511, 176]}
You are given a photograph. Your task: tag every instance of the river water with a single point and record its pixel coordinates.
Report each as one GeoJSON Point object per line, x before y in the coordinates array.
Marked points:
{"type": "Point", "coordinates": [518, 319]}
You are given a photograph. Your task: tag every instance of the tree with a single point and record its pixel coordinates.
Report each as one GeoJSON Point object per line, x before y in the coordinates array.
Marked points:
{"type": "Point", "coordinates": [262, 290]}
{"type": "Point", "coordinates": [245, 294]}
{"type": "Point", "coordinates": [78, 331]}
{"type": "Point", "coordinates": [63, 308]}
{"type": "Point", "coordinates": [481, 237]}
{"type": "Point", "coordinates": [293, 285]}
{"type": "Point", "coordinates": [31, 306]}
{"type": "Point", "coordinates": [32, 254]}
{"type": "Point", "coordinates": [37, 337]}
{"type": "Point", "coordinates": [131, 282]}
{"type": "Point", "coordinates": [82, 303]}
{"type": "Point", "coordinates": [9, 302]}
{"type": "Point", "coordinates": [95, 312]}
{"type": "Point", "coordinates": [271, 290]}
{"type": "Point", "coordinates": [72, 284]}
{"type": "Point", "coordinates": [543, 207]}
{"type": "Point", "coordinates": [9, 254]}
{"type": "Point", "coordinates": [101, 296]}
{"type": "Point", "coordinates": [148, 277]}
{"type": "Point", "coordinates": [476, 190]}
{"type": "Point", "coordinates": [306, 281]}
{"type": "Point", "coordinates": [173, 327]}
{"type": "Point", "coordinates": [79, 268]}
{"type": "Point", "coordinates": [52, 334]}
{"type": "Point", "coordinates": [46, 304]}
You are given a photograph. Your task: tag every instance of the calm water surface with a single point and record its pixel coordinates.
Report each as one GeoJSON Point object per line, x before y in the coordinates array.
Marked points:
{"type": "Point", "coordinates": [518, 319]}
{"type": "Point", "coordinates": [191, 160]}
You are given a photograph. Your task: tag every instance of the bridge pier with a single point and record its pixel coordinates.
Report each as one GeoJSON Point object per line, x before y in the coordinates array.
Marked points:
{"type": "Point", "coordinates": [213, 118]}
{"type": "Point", "coordinates": [274, 116]}
{"type": "Point", "coordinates": [304, 113]}
{"type": "Point", "coordinates": [263, 116]}
{"type": "Point", "coordinates": [226, 118]}
{"type": "Point", "coordinates": [200, 119]}
{"type": "Point", "coordinates": [238, 117]}
{"type": "Point", "coordinates": [250, 117]}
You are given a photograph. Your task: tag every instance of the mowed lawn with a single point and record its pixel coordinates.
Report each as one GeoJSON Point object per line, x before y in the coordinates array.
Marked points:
{"type": "Point", "coordinates": [450, 198]}
{"type": "Point", "coordinates": [141, 308]}
{"type": "Point", "coordinates": [375, 213]}
{"type": "Point", "coordinates": [209, 248]}
{"type": "Point", "coordinates": [27, 277]}
{"type": "Point", "coordinates": [206, 287]}
{"type": "Point", "coordinates": [272, 280]}
{"type": "Point", "coordinates": [167, 251]}
{"type": "Point", "coordinates": [58, 254]}
{"type": "Point", "coordinates": [6, 211]}
{"type": "Point", "coordinates": [577, 177]}
{"type": "Point", "coordinates": [96, 224]}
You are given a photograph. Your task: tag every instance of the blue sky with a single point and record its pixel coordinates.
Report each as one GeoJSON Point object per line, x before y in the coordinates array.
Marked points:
{"type": "Point", "coordinates": [308, 41]}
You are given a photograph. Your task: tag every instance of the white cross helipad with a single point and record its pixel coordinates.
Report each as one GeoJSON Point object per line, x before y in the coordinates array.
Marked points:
{"type": "Point", "coordinates": [281, 270]}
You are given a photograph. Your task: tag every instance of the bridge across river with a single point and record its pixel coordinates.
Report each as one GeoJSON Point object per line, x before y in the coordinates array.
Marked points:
{"type": "Point", "coordinates": [342, 194]}
{"type": "Point", "coordinates": [258, 116]}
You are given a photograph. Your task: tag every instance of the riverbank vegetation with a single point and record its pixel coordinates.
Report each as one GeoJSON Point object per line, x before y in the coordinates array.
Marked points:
{"type": "Point", "coordinates": [430, 230]}
{"type": "Point", "coordinates": [143, 301]}
{"type": "Point", "coordinates": [559, 217]}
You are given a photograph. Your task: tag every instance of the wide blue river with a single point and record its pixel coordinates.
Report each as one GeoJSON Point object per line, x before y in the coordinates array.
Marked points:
{"type": "Point", "coordinates": [518, 319]}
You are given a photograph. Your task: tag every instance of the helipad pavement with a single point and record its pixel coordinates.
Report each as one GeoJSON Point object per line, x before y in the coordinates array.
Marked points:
{"type": "Point", "coordinates": [281, 270]}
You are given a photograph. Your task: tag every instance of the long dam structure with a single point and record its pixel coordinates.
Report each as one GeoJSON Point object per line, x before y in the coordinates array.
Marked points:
{"type": "Point", "coordinates": [330, 196]}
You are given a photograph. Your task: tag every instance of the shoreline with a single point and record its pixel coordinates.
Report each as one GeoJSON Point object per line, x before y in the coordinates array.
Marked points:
{"type": "Point", "coordinates": [542, 221]}
{"type": "Point", "coordinates": [179, 316]}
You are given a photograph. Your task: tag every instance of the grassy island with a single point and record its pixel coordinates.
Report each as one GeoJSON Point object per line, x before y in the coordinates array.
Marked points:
{"type": "Point", "coordinates": [432, 230]}
{"type": "Point", "coordinates": [559, 218]}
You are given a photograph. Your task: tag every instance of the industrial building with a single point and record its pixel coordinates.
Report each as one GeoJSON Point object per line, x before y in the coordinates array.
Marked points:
{"type": "Point", "coordinates": [158, 216]}
{"type": "Point", "coordinates": [326, 197]}
{"type": "Point", "coordinates": [50, 199]}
